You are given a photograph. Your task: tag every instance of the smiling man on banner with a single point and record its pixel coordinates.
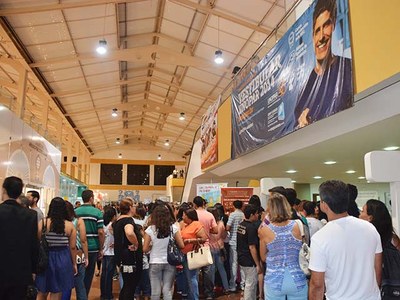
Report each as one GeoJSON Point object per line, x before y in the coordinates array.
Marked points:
{"type": "Point", "coordinates": [329, 86]}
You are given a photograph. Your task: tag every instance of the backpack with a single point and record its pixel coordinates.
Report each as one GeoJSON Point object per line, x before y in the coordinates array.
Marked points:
{"type": "Point", "coordinates": [390, 272]}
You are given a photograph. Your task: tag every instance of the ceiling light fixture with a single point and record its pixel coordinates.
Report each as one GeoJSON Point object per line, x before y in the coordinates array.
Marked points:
{"type": "Point", "coordinates": [159, 156]}
{"type": "Point", "coordinates": [120, 155]}
{"type": "Point", "coordinates": [317, 177]}
{"type": "Point", "coordinates": [117, 141]}
{"type": "Point", "coordinates": [294, 181]}
{"type": "Point", "coordinates": [391, 148]}
{"type": "Point", "coordinates": [218, 59]}
{"type": "Point", "coordinates": [361, 177]}
{"type": "Point", "coordinates": [114, 112]}
{"type": "Point", "coordinates": [102, 47]}
{"type": "Point", "coordinates": [350, 171]}
{"type": "Point", "coordinates": [166, 143]}
{"type": "Point", "coordinates": [329, 162]}
{"type": "Point", "coordinates": [291, 171]}
{"type": "Point", "coordinates": [182, 117]}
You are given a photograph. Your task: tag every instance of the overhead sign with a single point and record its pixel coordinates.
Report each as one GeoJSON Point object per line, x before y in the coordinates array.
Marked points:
{"type": "Point", "coordinates": [306, 76]}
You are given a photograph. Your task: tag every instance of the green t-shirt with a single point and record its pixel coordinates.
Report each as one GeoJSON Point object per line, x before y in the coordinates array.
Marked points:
{"type": "Point", "coordinates": [93, 219]}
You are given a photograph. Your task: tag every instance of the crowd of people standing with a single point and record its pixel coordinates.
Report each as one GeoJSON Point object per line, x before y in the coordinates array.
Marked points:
{"type": "Point", "coordinates": [255, 251]}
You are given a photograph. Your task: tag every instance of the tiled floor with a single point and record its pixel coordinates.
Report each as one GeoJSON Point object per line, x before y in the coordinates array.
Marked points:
{"type": "Point", "coordinates": [95, 292]}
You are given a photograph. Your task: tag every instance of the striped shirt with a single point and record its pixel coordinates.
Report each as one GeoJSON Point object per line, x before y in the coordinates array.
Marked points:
{"type": "Point", "coordinates": [234, 220]}
{"type": "Point", "coordinates": [93, 219]}
{"type": "Point", "coordinates": [56, 239]}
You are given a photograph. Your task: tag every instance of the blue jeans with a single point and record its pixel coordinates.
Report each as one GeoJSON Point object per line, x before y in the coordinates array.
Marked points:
{"type": "Point", "coordinates": [90, 270]}
{"type": "Point", "coordinates": [80, 289]}
{"type": "Point", "coordinates": [106, 278]}
{"type": "Point", "coordinates": [192, 281]}
{"type": "Point", "coordinates": [219, 265]}
{"type": "Point", "coordinates": [181, 283]}
{"type": "Point", "coordinates": [162, 280]}
{"type": "Point", "coordinates": [289, 290]}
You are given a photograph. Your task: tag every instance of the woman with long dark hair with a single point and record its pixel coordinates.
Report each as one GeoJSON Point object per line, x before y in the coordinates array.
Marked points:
{"type": "Point", "coordinates": [376, 212]}
{"type": "Point", "coordinates": [81, 255]}
{"type": "Point", "coordinates": [61, 238]}
{"type": "Point", "coordinates": [128, 253]}
{"type": "Point", "coordinates": [162, 274]}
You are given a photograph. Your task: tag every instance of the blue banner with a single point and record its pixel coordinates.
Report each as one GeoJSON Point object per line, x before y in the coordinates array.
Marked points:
{"type": "Point", "coordinates": [305, 77]}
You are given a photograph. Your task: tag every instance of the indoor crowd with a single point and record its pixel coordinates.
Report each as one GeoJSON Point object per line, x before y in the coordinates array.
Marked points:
{"type": "Point", "coordinates": [291, 250]}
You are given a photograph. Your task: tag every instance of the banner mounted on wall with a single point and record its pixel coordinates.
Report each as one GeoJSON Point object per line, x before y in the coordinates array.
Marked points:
{"type": "Point", "coordinates": [209, 136]}
{"type": "Point", "coordinates": [211, 192]}
{"type": "Point", "coordinates": [230, 194]}
{"type": "Point", "coordinates": [306, 76]}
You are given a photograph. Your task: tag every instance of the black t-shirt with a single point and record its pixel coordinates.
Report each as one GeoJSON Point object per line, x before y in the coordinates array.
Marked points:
{"type": "Point", "coordinates": [246, 235]}
{"type": "Point", "coordinates": [122, 254]}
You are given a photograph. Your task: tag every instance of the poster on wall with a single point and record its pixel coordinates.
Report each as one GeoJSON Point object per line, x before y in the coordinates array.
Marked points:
{"type": "Point", "coordinates": [211, 192]}
{"type": "Point", "coordinates": [305, 77]}
{"type": "Point", "coordinates": [209, 136]}
{"type": "Point", "coordinates": [230, 194]}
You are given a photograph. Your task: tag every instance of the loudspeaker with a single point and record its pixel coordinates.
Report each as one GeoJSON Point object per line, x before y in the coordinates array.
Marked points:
{"type": "Point", "coordinates": [65, 159]}
{"type": "Point", "coordinates": [74, 158]}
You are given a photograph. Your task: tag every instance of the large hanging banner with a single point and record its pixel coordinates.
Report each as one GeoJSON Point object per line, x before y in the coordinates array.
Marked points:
{"type": "Point", "coordinates": [211, 192]}
{"type": "Point", "coordinates": [209, 136]}
{"type": "Point", "coordinates": [305, 77]}
{"type": "Point", "coordinates": [230, 194]}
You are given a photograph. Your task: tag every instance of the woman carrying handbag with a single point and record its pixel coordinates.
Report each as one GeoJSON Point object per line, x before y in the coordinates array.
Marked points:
{"type": "Point", "coordinates": [162, 274]}
{"type": "Point", "coordinates": [193, 234]}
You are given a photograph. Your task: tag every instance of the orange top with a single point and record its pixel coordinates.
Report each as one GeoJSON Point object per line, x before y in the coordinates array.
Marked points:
{"type": "Point", "coordinates": [190, 232]}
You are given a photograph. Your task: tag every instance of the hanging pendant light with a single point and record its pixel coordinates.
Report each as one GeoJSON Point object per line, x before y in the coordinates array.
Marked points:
{"type": "Point", "coordinates": [102, 47]}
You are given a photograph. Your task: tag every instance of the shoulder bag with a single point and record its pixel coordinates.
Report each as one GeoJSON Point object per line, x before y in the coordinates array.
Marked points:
{"type": "Point", "coordinates": [174, 254]}
{"type": "Point", "coordinates": [304, 253]}
{"type": "Point", "coordinates": [43, 259]}
{"type": "Point", "coordinates": [199, 258]}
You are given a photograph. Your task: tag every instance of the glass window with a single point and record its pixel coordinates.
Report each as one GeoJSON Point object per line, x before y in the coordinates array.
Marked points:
{"type": "Point", "coordinates": [111, 174]}
{"type": "Point", "coordinates": [161, 173]}
{"type": "Point", "coordinates": [138, 174]}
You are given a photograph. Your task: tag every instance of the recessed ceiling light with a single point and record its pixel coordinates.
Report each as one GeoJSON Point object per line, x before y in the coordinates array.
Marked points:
{"type": "Point", "coordinates": [120, 155]}
{"type": "Point", "coordinates": [294, 181]}
{"type": "Point", "coordinates": [166, 143]}
{"type": "Point", "coordinates": [361, 177]}
{"type": "Point", "coordinates": [117, 141]}
{"type": "Point", "coordinates": [391, 148]}
{"type": "Point", "coordinates": [114, 112]}
{"type": "Point", "coordinates": [350, 171]}
{"type": "Point", "coordinates": [317, 177]}
{"type": "Point", "coordinates": [329, 162]}
{"type": "Point", "coordinates": [159, 156]}
{"type": "Point", "coordinates": [291, 171]}
{"type": "Point", "coordinates": [182, 116]}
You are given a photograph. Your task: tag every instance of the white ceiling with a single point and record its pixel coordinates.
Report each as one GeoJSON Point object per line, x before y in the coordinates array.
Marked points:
{"type": "Point", "coordinates": [159, 63]}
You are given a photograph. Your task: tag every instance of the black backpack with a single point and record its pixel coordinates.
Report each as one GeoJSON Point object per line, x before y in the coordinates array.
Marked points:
{"type": "Point", "coordinates": [391, 272]}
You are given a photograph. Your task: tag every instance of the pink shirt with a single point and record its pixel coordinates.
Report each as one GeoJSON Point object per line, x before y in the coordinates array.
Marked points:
{"type": "Point", "coordinates": [207, 219]}
{"type": "Point", "coordinates": [217, 240]}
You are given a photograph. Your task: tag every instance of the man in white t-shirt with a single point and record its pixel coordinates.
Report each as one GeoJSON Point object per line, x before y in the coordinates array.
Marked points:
{"type": "Point", "coordinates": [346, 254]}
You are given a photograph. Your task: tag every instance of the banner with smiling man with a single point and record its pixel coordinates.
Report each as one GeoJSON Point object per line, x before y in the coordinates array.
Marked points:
{"type": "Point", "coordinates": [305, 77]}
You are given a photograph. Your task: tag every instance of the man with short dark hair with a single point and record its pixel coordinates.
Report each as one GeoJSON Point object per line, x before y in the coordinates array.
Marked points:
{"type": "Point", "coordinates": [210, 226]}
{"type": "Point", "coordinates": [346, 254]}
{"type": "Point", "coordinates": [93, 219]}
{"type": "Point", "coordinates": [19, 243]}
{"type": "Point", "coordinates": [329, 88]}
{"type": "Point", "coordinates": [34, 197]}
{"type": "Point", "coordinates": [233, 222]}
{"type": "Point", "coordinates": [247, 249]}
